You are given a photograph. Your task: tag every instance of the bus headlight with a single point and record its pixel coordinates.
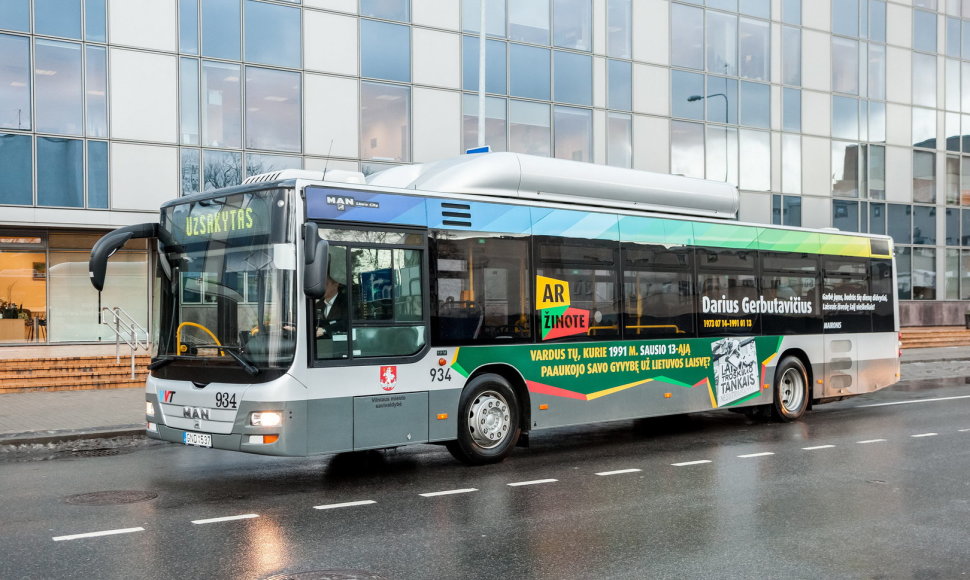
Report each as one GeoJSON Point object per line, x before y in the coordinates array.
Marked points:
{"type": "Point", "coordinates": [149, 409]}
{"type": "Point", "coordinates": [266, 419]}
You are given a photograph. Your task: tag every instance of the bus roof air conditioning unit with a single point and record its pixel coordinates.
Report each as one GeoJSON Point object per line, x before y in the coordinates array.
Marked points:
{"type": "Point", "coordinates": [558, 180]}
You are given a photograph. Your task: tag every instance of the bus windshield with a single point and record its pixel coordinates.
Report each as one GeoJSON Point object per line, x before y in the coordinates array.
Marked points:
{"type": "Point", "coordinates": [226, 295]}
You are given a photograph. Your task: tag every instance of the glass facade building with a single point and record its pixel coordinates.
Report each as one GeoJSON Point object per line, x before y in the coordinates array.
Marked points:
{"type": "Point", "coordinates": [826, 113]}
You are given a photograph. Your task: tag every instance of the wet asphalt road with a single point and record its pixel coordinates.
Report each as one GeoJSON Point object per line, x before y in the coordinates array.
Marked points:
{"type": "Point", "coordinates": [852, 491]}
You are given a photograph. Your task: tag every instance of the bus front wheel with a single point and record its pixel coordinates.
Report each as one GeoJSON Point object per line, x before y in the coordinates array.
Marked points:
{"type": "Point", "coordinates": [791, 390]}
{"type": "Point", "coordinates": [488, 421]}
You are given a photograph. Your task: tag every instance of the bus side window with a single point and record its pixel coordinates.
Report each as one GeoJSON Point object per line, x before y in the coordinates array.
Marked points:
{"type": "Point", "coordinates": [589, 269]}
{"type": "Point", "coordinates": [483, 292]}
{"type": "Point", "coordinates": [657, 284]}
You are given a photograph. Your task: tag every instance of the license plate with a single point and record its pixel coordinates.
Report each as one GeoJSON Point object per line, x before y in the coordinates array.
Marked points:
{"type": "Point", "coordinates": [197, 439]}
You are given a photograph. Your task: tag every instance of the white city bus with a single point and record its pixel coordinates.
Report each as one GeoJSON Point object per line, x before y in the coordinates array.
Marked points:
{"type": "Point", "coordinates": [475, 300]}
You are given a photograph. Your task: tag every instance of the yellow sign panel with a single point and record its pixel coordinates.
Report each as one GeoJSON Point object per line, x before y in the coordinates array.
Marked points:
{"type": "Point", "coordinates": [551, 293]}
{"type": "Point", "coordinates": [231, 220]}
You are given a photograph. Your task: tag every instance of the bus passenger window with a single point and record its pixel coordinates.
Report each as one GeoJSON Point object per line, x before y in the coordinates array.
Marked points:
{"type": "Point", "coordinates": [483, 293]}
{"type": "Point", "coordinates": [587, 268]}
{"type": "Point", "coordinates": [658, 290]}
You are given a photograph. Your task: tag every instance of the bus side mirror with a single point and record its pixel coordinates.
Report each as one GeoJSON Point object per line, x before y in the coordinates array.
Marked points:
{"type": "Point", "coordinates": [316, 256]}
{"type": "Point", "coordinates": [110, 243]}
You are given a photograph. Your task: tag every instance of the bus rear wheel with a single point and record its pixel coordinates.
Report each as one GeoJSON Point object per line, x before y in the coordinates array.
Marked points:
{"type": "Point", "coordinates": [488, 421]}
{"type": "Point", "coordinates": [791, 390]}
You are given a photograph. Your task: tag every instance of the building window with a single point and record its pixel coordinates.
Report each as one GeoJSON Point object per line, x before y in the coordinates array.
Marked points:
{"type": "Point", "coordinates": [791, 12]}
{"type": "Point", "coordinates": [385, 51]}
{"type": "Point", "coordinates": [189, 101]}
{"type": "Point", "coordinates": [722, 43]}
{"type": "Point", "coordinates": [845, 215]}
{"type": "Point", "coordinates": [258, 163]}
{"type": "Point", "coordinates": [924, 274]}
{"type": "Point", "coordinates": [924, 128]}
{"type": "Point", "coordinates": [687, 26]}
{"type": "Point", "coordinates": [221, 169]}
{"type": "Point", "coordinates": [791, 164]}
{"type": "Point", "coordinates": [16, 170]}
{"type": "Point", "coordinates": [96, 92]}
{"type": "Point", "coordinates": [273, 109]}
{"type": "Point", "coordinates": [845, 66]}
{"type": "Point", "coordinates": [61, 183]}
{"type": "Point", "coordinates": [619, 35]}
{"type": "Point", "coordinates": [220, 29]}
{"type": "Point", "coordinates": [845, 118]}
{"type": "Point", "coordinates": [574, 133]}
{"type": "Point", "coordinates": [755, 164]}
{"type": "Point", "coordinates": [273, 34]}
{"type": "Point", "coordinates": [529, 21]}
{"type": "Point", "coordinates": [687, 95]}
{"type": "Point", "coordinates": [786, 210]}
{"type": "Point", "coordinates": [791, 56]}
{"type": "Point", "coordinates": [189, 163]}
{"type": "Point", "coordinates": [924, 225]}
{"type": "Point", "coordinates": [722, 153]}
{"type": "Point", "coordinates": [385, 125]}
{"type": "Point", "coordinates": [924, 80]}
{"type": "Point", "coordinates": [877, 171]}
{"type": "Point", "coordinates": [471, 18]}
{"type": "Point", "coordinates": [755, 105]}
{"type": "Point", "coordinates": [189, 26]}
{"type": "Point", "coordinates": [529, 128]}
{"type": "Point", "coordinates": [924, 31]}
{"type": "Point", "coordinates": [221, 111]}
{"type": "Point", "coordinates": [15, 80]}
{"type": "Point", "coordinates": [687, 149]}
{"type": "Point", "coordinates": [529, 72]}
{"type": "Point", "coordinates": [924, 177]}
{"type": "Point", "coordinates": [619, 89]}
{"type": "Point", "coordinates": [98, 174]}
{"type": "Point", "coordinates": [791, 113]}
{"type": "Point", "coordinates": [58, 87]}
{"type": "Point", "coordinates": [899, 220]}
{"type": "Point", "coordinates": [754, 48]}
{"type": "Point", "coordinates": [845, 169]}
{"type": "Point", "coordinates": [571, 23]}
{"type": "Point", "coordinates": [619, 137]}
{"type": "Point", "coordinates": [495, 77]}
{"type": "Point", "coordinates": [399, 10]}
{"type": "Point", "coordinates": [495, 123]}
{"type": "Point", "coordinates": [95, 27]}
{"type": "Point", "coordinates": [15, 16]}
{"type": "Point", "coordinates": [573, 78]}
{"type": "Point", "coordinates": [58, 18]}
{"type": "Point", "coordinates": [23, 276]}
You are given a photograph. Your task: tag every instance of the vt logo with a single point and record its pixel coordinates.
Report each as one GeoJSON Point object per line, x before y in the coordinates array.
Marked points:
{"type": "Point", "coordinates": [556, 317]}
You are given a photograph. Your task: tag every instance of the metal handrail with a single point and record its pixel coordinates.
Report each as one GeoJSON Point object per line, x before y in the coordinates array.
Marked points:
{"type": "Point", "coordinates": [126, 329]}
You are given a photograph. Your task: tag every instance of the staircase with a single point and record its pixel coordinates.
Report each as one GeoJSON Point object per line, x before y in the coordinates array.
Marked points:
{"type": "Point", "coordinates": [932, 336]}
{"type": "Point", "coordinates": [71, 373]}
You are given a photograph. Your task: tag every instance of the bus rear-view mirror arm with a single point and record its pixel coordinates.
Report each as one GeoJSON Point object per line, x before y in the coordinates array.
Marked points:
{"type": "Point", "coordinates": [316, 254]}
{"type": "Point", "coordinates": [110, 243]}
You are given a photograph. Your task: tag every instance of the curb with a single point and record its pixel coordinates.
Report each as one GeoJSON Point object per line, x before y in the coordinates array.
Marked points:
{"type": "Point", "coordinates": [67, 435]}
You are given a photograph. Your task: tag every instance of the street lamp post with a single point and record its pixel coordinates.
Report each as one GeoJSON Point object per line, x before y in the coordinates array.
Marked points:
{"type": "Point", "coordinates": [694, 99]}
{"type": "Point", "coordinates": [481, 77]}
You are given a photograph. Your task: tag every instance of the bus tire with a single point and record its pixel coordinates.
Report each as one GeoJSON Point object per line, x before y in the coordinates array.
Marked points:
{"type": "Point", "coordinates": [488, 421]}
{"type": "Point", "coordinates": [791, 390]}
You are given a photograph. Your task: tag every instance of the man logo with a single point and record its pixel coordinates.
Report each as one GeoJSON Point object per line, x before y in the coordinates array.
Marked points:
{"type": "Point", "coordinates": [195, 413]}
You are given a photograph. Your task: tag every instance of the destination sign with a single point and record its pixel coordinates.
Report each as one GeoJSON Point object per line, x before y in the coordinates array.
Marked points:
{"type": "Point", "coordinates": [233, 216]}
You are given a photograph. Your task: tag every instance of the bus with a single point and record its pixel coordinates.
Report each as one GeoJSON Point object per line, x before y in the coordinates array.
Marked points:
{"type": "Point", "coordinates": [473, 301]}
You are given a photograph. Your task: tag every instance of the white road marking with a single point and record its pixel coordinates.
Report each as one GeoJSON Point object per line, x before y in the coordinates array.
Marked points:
{"type": "Point", "coordinates": [749, 455]}
{"type": "Point", "coordinates": [449, 492]}
{"type": "Point", "coordinates": [924, 435]}
{"type": "Point", "coordinates": [871, 441]}
{"type": "Point", "coordinates": [917, 401]}
{"type": "Point", "coordinates": [97, 534]}
{"type": "Point", "coordinates": [963, 430]}
{"type": "Point", "coordinates": [536, 482]}
{"type": "Point", "coordinates": [225, 519]}
{"type": "Point", "coordinates": [619, 471]}
{"type": "Point", "coordinates": [817, 447]}
{"type": "Point", "coordinates": [686, 463]}
{"type": "Point", "coordinates": [343, 505]}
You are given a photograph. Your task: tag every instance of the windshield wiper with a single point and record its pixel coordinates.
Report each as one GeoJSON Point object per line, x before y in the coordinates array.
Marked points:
{"type": "Point", "coordinates": [160, 362]}
{"type": "Point", "coordinates": [236, 353]}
